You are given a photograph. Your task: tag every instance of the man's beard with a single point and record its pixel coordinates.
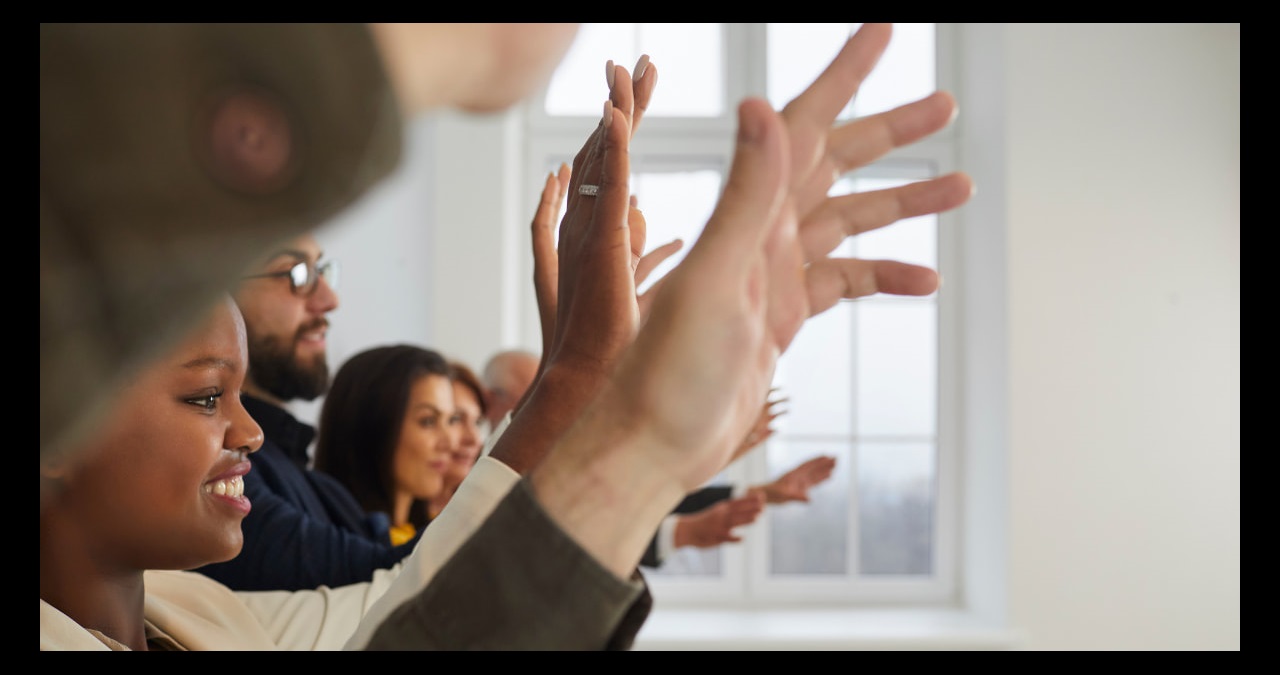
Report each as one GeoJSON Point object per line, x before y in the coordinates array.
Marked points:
{"type": "Point", "coordinates": [274, 366]}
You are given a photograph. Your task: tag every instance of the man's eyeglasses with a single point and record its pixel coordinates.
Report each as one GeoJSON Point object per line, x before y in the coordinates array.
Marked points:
{"type": "Point", "coordinates": [303, 277]}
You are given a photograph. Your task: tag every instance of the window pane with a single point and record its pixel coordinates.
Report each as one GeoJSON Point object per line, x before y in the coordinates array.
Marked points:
{"type": "Point", "coordinates": [895, 508]}
{"type": "Point", "coordinates": [906, 72]}
{"type": "Point", "coordinates": [897, 347]}
{"type": "Point", "coordinates": [676, 205]}
{"type": "Point", "coordinates": [687, 55]}
{"type": "Point", "coordinates": [816, 374]}
{"type": "Point", "coordinates": [799, 51]}
{"type": "Point", "coordinates": [810, 538]}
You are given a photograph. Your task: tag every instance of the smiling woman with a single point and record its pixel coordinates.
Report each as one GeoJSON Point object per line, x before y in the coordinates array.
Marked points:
{"type": "Point", "coordinates": [161, 487]}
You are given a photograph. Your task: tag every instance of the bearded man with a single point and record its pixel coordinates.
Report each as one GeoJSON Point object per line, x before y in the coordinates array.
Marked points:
{"type": "Point", "coordinates": [305, 529]}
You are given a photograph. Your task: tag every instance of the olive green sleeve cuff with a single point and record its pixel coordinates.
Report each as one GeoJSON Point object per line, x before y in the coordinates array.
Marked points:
{"type": "Point", "coordinates": [520, 583]}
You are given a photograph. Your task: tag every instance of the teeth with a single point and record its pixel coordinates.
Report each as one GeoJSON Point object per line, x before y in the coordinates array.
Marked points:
{"type": "Point", "coordinates": [230, 488]}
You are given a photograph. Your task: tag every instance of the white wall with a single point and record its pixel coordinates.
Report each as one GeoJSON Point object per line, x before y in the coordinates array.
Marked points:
{"type": "Point", "coordinates": [1123, 199]}
{"type": "Point", "coordinates": [422, 254]}
{"type": "Point", "coordinates": [1121, 188]}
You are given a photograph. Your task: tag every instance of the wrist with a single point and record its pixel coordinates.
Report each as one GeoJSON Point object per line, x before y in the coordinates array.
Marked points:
{"type": "Point", "coordinates": [601, 486]}
{"type": "Point", "coordinates": [554, 401]}
{"type": "Point", "coordinates": [680, 533]}
{"type": "Point", "coordinates": [763, 491]}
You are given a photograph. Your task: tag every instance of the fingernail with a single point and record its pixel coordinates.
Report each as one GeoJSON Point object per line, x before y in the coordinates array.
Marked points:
{"type": "Point", "coordinates": [608, 74]}
{"type": "Point", "coordinates": [939, 283]}
{"type": "Point", "coordinates": [641, 65]}
{"type": "Point", "coordinates": [634, 202]}
{"type": "Point", "coordinates": [607, 119]}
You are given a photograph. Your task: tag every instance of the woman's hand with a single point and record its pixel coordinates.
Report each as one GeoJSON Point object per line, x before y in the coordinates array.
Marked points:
{"type": "Point", "coordinates": [592, 270]}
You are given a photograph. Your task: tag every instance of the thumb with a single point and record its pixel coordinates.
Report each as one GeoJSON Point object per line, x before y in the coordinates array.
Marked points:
{"type": "Point", "coordinates": [754, 191]}
{"type": "Point", "coordinates": [638, 227]}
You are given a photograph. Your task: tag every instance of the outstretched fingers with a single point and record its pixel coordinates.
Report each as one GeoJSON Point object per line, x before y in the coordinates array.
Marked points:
{"type": "Point", "coordinates": [841, 217]}
{"type": "Point", "coordinates": [745, 510]}
{"type": "Point", "coordinates": [869, 138]}
{"type": "Point", "coordinates": [823, 100]}
{"type": "Point", "coordinates": [818, 469]}
{"type": "Point", "coordinates": [831, 279]}
{"type": "Point", "coordinates": [650, 261]}
{"type": "Point", "coordinates": [809, 117]}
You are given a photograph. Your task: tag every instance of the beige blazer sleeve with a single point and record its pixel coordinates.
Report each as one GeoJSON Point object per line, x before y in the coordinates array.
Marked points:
{"type": "Point", "coordinates": [200, 613]}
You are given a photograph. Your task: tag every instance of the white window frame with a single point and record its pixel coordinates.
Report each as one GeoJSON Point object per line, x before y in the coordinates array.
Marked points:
{"type": "Point", "coordinates": [707, 142]}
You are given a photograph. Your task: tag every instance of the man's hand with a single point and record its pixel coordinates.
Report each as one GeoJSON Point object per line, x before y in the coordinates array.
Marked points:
{"type": "Point", "coordinates": [714, 525]}
{"type": "Point", "coordinates": [760, 268]}
{"type": "Point", "coordinates": [794, 485]}
{"type": "Point", "coordinates": [763, 428]}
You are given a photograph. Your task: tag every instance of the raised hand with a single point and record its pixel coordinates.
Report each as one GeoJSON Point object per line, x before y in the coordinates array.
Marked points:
{"type": "Point", "coordinates": [546, 262]}
{"type": "Point", "coordinates": [602, 238]}
{"type": "Point", "coordinates": [821, 154]}
{"type": "Point", "coordinates": [715, 524]}
{"type": "Point", "coordinates": [760, 269]}
{"type": "Point", "coordinates": [794, 485]}
{"type": "Point", "coordinates": [689, 388]}
{"type": "Point", "coordinates": [592, 272]}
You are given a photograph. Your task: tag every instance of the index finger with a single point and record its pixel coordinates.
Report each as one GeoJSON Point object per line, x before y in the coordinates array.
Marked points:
{"type": "Point", "coordinates": [623, 96]}
{"type": "Point", "coordinates": [823, 100]}
{"type": "Point", "coordinates": [644, 78]}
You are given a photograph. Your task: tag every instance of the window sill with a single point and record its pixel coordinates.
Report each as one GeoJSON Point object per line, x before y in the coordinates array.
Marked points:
{"type": "Point", "coordinates": [822, 629]}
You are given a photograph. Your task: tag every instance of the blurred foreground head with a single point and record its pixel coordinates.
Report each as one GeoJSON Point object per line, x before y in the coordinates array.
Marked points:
{"type": "Point", "coordinates": [173, 155]}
